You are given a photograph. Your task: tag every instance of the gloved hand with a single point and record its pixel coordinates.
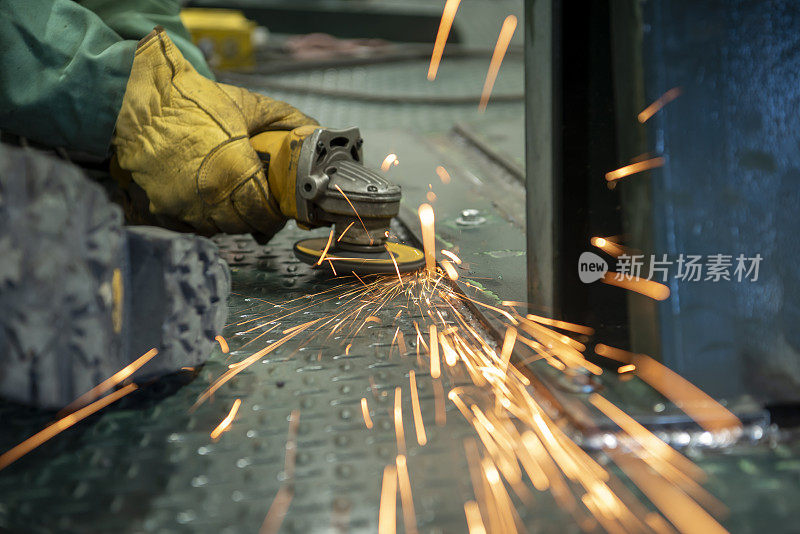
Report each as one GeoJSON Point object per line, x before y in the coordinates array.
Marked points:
{"type": "Point", "coordinates": [185, 141]}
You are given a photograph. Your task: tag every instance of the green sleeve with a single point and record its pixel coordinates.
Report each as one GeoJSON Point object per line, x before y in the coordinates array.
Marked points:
{"type": "Point", "coordinates": [63, 74]}
{"type": "Point", "coordinates": [133, 19]}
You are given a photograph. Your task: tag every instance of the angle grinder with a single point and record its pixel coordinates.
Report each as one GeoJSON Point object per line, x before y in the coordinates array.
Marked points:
{"type": "Point", "coordinates": [334, 188]}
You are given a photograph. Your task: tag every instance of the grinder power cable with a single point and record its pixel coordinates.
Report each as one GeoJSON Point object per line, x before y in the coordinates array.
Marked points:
{"type": "Point", "coordinates": [334, 188]}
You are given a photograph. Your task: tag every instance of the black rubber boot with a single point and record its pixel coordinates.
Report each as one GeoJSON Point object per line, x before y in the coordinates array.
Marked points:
{"type": "Point", "coordinates": [81, 295]}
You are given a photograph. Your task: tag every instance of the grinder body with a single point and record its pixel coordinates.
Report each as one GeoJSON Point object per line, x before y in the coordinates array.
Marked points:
{"type": "Point", "coordinates": [334, 188]}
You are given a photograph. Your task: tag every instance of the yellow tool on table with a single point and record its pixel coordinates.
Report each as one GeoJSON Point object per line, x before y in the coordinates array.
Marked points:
{"type": "Point", "coordinates": [224, 35]}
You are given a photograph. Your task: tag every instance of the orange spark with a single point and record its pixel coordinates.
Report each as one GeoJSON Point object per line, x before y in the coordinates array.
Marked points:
{"type": "Point", "coordinates": [678, 507]}
{"type": "Point", "coordinates": [509, 341]}
{"type": "Point", "coordinates": [396, 268]}
{"type": "Point", "coordinates": [444, 176]}
{"type": "Point", "coordinates": [572, 327]}
{"type": "Point", "coordinates": [347, 349]}
{"type": "Point", "coordinates": [450, 356]}
{"type": "Point", "coordinates": [426, 219]}
{"type": "Point", "coordinates": [359, 278]}
{"type": "Point", "coordinates": [398, 421]}
{"type": "Point", "coordinates": [707, 412]}
{"type": "Point", "coordinates": [333, 269]}
{"type": "Point", "coordinates": [474, 521]}
{"type": "Point", "coordinates": [387, 513]}
{"type": "Point", "coordinates": [298, 327]}
{"type": "Point", "coordinates": [223, 345]}
{"type": "Point", "coordinates": [430, 196]}
{"type": "Point", "coordinates": [109, 382]}
{"type": "Point", "coordinates": [449, 270]}
{"type": "Point", "coordinates": [503, 40]}
{"type": "Point", "coordinates": [406, 498]}
{"type": "Point", "coordinates": [648, 288]}
{"type": "Point", "coordinates": [438, 398]}
{"type": "Point", "coordinates": [662, 101]}
{"type": "Point", "coordinates": [419, 426]}
{"type": "Point", "coordinates": [327, 246]}
{"type": "Point", "coordinates": [280, 506]}
{"type": "Point", "coordinates": [365, 412]}
{"type": "Point", "coordinates": [277, 511]}
{"type": "Point", "coordinates": [613, 353]}
{"type": "Point", "coordinates": [345, 231]}
{"type": "Point", "coordinates": [452, 256]}
{"type": "Point", "coordinates": [420, 339]}
{"type": "Point", "coordinates": [607, 245]}
{"type": "Point", "coordinates": [697, 404]}
{"type": "Point", "coordinates": [354, 211]}
{"type": "Point", "coordinates": [633, 168]}
{"type": "Point", "coordinates": [434, 350]}
{"type": "Point", "coordinates": [388, 161]}
{"type": "Point", "coordinates": [59, 426]}
{"type": "Point", "coordinates": [448, 14]}
{"type": "Point", "coordinates": [230, 373]}
{"type": "Point", "coordinates": [626, 368]}
{"type": "Point", "coordinates": [225, 424]}
{"type": "Point", "coordinates": [401, 342]}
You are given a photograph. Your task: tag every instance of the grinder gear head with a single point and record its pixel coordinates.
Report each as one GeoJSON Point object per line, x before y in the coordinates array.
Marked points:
{"type": "Point", "coordinates": [333, 188]}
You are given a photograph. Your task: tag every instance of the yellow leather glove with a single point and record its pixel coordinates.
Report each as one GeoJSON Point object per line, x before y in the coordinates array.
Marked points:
{"type": "Point", "coordinates": [186, 142]}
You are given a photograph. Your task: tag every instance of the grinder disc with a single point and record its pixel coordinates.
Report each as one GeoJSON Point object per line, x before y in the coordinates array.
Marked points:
{"type": "Point", "coordinates": [408, 258]}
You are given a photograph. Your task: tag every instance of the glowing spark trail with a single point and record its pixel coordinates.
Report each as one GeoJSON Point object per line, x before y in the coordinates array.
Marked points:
{"type": "Point", "coordinates": [662, 101]}
{"type": "Point", "coordinates": [434, 349]}
{"type": "Point", "coordinates": [452, 256]}
{"type": "Point", "coordinates": [59, 426]}
{"type": "Point", "coordinates": [327, 246]}
{"type": "Point", "coordinates": [503, 40]}
{"type": "Point", "coordinates": [223, 345]}
{"type": "Point", "coordinates": [355, 211]}
{"type": "Point", "coordinates": [398, 421]}
{"type": "Point", "coordinates": [388, 161]}
{"type": "Point", "coordinates": [648, 288]}
{"type": "Point", "coordinates": [633, 168]}
{"type": "Point", "coordinates": [444, 176]}
{"type": "Point", "coordinates": [698, 405]}
{"type": "Point", "coordinates": [280, 506]}
{"type": "Point", "coordinates": [572, 327]}
{"type": "Point", "coordinates": [345, 231]}
{"type": "Point", "coordinates": [109, 382]}
{"type": "Point", "coordinates": [230, 373]}
{"type": "Point", "coordinates": [426, 219]}
{"type": "Point", "coordinates": [448, 14]}
{"type": "Point", "coordinates": [419, 425]}
{"type": "Point", "coordinates": [409, 516]}
{"type": "Point", "coordinates": [365, 413]}
{"type": "Point", "coordinates": [449, 270]}
{"type": "Point", "coordinates": [608, 246]}
{"type": "Point", "coordinates": [474, 521]}
{"type": "Point", "coordinates": [225, 424]}
{"type": "Point", "coordinates": [387, 513]}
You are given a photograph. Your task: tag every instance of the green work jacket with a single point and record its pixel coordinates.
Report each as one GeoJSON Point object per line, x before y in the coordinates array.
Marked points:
{"type": "Point", "coordinates": [64, 65]}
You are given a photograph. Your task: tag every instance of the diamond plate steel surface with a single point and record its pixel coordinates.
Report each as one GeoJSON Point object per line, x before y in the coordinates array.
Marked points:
{"type": "Point", "coordinates": [149, 465]}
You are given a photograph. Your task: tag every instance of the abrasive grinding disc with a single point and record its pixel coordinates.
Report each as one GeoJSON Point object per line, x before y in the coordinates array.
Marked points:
{"type": "Point", "coordinates": [408, 258]}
